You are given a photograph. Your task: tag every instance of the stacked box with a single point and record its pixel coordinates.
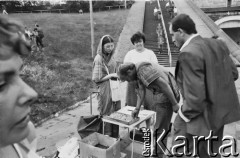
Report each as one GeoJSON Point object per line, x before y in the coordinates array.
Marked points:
{"type": "Point", "coordinates": [97, 145]}
{"type": "Point", "coordinates": [123, 155]}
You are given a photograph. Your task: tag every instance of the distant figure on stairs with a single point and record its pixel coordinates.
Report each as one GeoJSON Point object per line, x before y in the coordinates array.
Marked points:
{"type": "Point", "coordinates": [170, 8]}
{"type": "Point", "coordinates": [155, 11]}
{"type": "Point", "coordinates": [159, 32]}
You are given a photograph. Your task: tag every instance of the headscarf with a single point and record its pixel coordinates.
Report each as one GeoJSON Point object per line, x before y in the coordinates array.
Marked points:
{"type": "Point", "coordinates": [100, 50]}
{"type": "Point", "coordinates": [102, 60]}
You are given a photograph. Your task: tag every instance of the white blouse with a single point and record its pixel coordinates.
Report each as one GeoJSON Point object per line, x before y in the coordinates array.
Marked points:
{"type": "Point", "coordinates": [135, 57]}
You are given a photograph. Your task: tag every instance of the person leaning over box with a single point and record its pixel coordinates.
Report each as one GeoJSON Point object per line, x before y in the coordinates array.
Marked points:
{"type": "Point", "coordinates": [205, 74]}
{"type": "Point", "coordinates": [155, 78]}
{"type": "Point", "coordinates": [138, 54]}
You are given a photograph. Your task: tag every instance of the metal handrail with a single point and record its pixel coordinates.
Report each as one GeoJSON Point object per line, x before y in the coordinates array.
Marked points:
{"type": "Point", "coordinates": [166, 37]}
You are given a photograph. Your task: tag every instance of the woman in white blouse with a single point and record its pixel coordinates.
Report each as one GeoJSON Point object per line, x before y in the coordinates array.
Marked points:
{"type": "Point", "coordinates": [136, 55]}
{"type": "Point", "coordinates": [140, 53]}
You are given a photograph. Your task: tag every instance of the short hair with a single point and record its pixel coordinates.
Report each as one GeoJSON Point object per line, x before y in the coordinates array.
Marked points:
{"type": "Point", "coordinates": [12, 37]}
{"type": "Point", "coordinates": [107, 39]}
{"type": "Point", "coordinates": [184, 22]}
{"type": "Point", "coordinates": [123, 68]}
{"type": "Point", "coordinates": [137, 37]}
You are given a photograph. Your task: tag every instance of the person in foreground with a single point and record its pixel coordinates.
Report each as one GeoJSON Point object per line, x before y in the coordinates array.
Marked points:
{"type": "Point", "coordinates": [104, 67]}
{"type": "Point", "coordinates": [155, 78]}
{"type": "Point", "coordinates": [205, 75]}
{"type": "Point", "coordinates": [17, 135]}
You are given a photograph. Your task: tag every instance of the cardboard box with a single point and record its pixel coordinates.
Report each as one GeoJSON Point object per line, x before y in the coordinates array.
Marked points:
{"type": "Point", "coordinates": [70, 149]}
{"type": "Point", "coordinates": [108, 147]}
{"type": "Point", "coordinates": [123, 155]}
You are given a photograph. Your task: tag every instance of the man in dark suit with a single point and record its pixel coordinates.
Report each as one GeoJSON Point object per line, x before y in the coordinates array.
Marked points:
{"type": "Point", "coordinates": [205, 74]}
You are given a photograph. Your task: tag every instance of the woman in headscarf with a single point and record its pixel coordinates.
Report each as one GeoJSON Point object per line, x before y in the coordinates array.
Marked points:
{"type": "Point", "coordinates": [104, 68]}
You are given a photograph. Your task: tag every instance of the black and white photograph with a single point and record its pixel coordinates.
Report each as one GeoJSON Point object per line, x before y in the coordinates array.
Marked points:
{"type": "Point", "coordinates": [119, 78]}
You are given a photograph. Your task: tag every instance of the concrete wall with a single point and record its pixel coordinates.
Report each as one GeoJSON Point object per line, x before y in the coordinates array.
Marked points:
{"type": "Point", "coordinates": [201, 17]}
{"type": "Point", "coordinates": [188, 7]}
{"type": "Point", "coordinates": [235, 3]}
{"type": "Point", "coordinates": [211, 3]}
{"type": "Point", "coordinates": [233, 47]}
{"type": "Point", "coordinates": [133, 24]}
{"type": "Point", "coordinates": [234, 33]}
{"type": "Point", "coordinates": [229, 22]}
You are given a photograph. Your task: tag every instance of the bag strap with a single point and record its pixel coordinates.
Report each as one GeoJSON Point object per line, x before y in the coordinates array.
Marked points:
{"type": "Point", "coordinates": [169, 75]}
{"type": "Point", "coordinates": [106, 68]}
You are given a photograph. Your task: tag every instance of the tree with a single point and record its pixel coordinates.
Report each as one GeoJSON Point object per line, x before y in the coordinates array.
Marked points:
{"type": "Point", "coordinates": [10, 5]}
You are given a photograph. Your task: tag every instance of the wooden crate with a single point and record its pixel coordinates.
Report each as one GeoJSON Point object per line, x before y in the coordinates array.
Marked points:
{"type": "Point", "coordinates": [88, 147]}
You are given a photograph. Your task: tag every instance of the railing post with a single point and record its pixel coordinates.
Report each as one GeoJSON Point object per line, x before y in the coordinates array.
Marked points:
{"type": "Point", "coordinates": [165, 32]}
{"type": "Point", "coordinates": [92, 28]}
{"type": "Point", "coordinates": [170, 58]}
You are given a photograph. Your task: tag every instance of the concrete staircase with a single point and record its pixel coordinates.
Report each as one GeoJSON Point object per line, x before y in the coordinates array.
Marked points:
{"type": "Point", "coordinates": [167, 19]}
{"type": "Point", "coordinates": [149, 29]}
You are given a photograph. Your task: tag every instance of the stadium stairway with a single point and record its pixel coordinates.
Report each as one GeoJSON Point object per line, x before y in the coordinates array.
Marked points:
{"type": "Point", "coordinates": [149, 29]}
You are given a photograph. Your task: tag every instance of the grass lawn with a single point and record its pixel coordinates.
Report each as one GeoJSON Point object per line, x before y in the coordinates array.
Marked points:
{"type": "Point", "coordinates": [61, 74]}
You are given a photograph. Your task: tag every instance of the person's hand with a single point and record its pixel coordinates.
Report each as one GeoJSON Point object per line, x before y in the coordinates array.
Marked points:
{"type": "Point", "coordinates": [176, 108]}
{"type": "Point", "coordinates": [113, 76]}
{"type": "Point", "coordinates": [135, 113]}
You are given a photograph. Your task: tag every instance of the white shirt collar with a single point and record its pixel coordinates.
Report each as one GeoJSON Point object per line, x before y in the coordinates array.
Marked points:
{"type": "Point", "coordinates": [188, 41]}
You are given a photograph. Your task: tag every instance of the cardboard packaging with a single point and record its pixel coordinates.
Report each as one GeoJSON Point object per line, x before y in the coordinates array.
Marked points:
{"type": "Point", "coordinates": [97, 145]}
{"type": "Point", "coordinates": [123, 155]}
{"type": "Point", "coordinates": [70, 149]}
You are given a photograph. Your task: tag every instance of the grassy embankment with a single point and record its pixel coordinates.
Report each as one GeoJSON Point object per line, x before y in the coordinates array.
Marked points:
{"type": "Point", "coordinates": [62, 73]}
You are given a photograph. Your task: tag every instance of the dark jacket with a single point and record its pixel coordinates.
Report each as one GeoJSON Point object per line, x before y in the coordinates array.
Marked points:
{"type": "Point", "coordinates": [206, 74]}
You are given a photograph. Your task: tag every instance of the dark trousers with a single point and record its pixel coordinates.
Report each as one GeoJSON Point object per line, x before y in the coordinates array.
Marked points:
{"type": "Point", "coordinates": [163, 119]}
{"type": "Point", "coordinates": [111, 129]}
{"type": "Point", "coordinates": [131, 95]}
{"type": "Point", "coordinates": [39, 42]}
{"type": "Point", "coordinates": [202, 146]}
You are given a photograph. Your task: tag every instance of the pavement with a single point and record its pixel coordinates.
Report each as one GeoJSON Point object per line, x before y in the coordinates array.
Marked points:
{"type": "Point", "coordinates": [56, 131]}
